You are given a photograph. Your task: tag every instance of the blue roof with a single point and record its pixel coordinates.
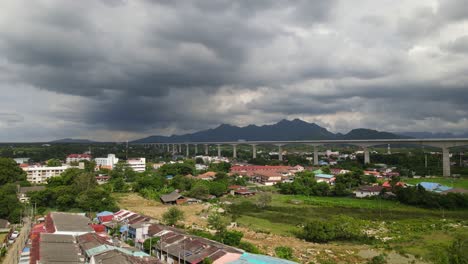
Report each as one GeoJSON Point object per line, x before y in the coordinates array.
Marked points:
{"type": "Point", "coordinates": [26, 249]}
{"type": "Point", "coordinates": [248, 258]}
{"type": "Point", "coordinates": [323, 175]}
{"type": "Point", "coordinates": [123, 228]}
{"type": "Point", "coordinates": [434, 186]}
{"type": "Point", "coordinates": [104, 213]}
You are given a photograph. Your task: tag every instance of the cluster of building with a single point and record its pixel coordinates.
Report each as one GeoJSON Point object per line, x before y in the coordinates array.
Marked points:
{"type": "Point", "coordinates": [39, 173]}
{"type": "Point", "coordinates": [174, 245]}
{"type": "Point", "coordinates": [74, 238]}
{"type": "Point", "coordinates": [267, 175]}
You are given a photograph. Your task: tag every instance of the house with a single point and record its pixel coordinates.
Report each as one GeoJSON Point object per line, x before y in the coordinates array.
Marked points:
{"type": "Point", "coordinates": [387, 185]}
{"type": "Point", "coordinates": [115, 256]}
{"type": "Point", "coordinates": [68, 224]}
{"type": "Point", "coordinates": [207, 176]}
{"type": "Point", "coordinates": [4, 226]}
{"type": "Point", "coordinates": [368, 191]}
{"type": "Point", "coordinates": [322, 177]}
{"type": "Point", "coordinates": [267, 178]}
{"type": "Point", "coordinates": [23, 192]}
{"type": "Point", "coordinates": [173, 198]}
{"type": "Point", "coordinates": [434, 187]}
{"type": "Point", "coordinates": [107, 163]}
{"type": "Point", "coordinates": [101, 179]}
{"type": "Point", "coordinates": [240, 190]}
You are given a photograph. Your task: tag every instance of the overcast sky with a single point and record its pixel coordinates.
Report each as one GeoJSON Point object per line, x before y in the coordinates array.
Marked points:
{"type": "Point", "coordinates": [121, 69]}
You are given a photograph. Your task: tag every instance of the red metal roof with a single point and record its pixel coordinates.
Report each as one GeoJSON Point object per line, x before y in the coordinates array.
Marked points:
{"type": "Point", "coordinates": [79, 156]}
{"type": "Point", "coordinates": [105, 218]}
{"type": "Point", "coordinates": [99, 228]}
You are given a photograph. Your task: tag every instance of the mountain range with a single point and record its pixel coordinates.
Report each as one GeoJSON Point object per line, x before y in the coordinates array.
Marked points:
{"type": "Point", "coordinates": [72, 140]}
{"type": "Point", "coordinates": [283, 130]}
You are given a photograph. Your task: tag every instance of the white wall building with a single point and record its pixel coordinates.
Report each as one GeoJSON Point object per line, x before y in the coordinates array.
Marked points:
{"type": "Point", "coordinates": [137, 164]}
{"type": "Point", "coordinates": [40, 174]}
{"type": "Point", "coordinates": [108, 162]}
{"type": "Point", "coordinates": [77, 158]}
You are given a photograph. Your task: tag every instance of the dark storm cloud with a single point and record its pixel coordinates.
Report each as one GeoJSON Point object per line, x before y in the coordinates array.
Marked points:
{"type": "Point", "coordinates": [143, 66]}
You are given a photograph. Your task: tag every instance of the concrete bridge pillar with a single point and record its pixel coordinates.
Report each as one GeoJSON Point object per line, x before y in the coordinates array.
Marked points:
{"type": "Point", "coordinates": [196, 149]}
{"type": "Point", "coordinates": [280, 152]}
{"type": "Point", "coordinates": [188, 150]}
{"type": "Point", "coordinates": [445, 162]}
{"type": "Point", "coordinates": [168, 148]}
{"type": "Point", "coordinates": [254, 151]}
{"type": "Point", "coordinates": [316, 161]}
{"type": "Point", "coordinates": [234, 151]}
{"type": "Point", "coordinates": [219, 150]}
{"type": "Point", "coordinates": [366, 155]}
{"type": "Point", "coordinates": [180, 148]}
{"type": "Point", "coordinates": [206, 149]}
{"type": "Point", "coordinates": [174, 150]}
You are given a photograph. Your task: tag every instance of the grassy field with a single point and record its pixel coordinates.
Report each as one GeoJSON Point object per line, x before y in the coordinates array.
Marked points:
{"type": "Point", "coordinates": [451, 182]}
{"type": "Point", "coordinates": [406, 229]}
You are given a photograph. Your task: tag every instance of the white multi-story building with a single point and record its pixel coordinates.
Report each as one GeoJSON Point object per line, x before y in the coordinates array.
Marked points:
{"type": "Point", "coordinates": [40, 174]}
{"type": "Point", "coordinates": [137, 164]}
{"type": "Point", "coordinates": [78, 157]}
{"type": "Point", "coordinates": [107, 163]}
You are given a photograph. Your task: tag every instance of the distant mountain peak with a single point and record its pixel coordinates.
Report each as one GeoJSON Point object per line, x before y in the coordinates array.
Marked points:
{"type": "Point", "coordinates": [295, 129]}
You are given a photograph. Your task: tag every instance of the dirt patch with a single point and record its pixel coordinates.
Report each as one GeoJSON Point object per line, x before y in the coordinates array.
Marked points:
{"type": "Point", "coordinates": [154, 209]}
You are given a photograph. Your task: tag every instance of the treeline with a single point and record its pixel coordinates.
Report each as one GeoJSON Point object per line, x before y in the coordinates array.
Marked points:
{"type": "Point", "coordinates": [418, 196]}
{"type": "Point", "coordinates": [74, 189]}
{"type": "Point", "coordinates": [10, 175]}
{"type": "Point", "coordinates": [305, 184]}
{"type": "Point", "coordinates": [175, 176]}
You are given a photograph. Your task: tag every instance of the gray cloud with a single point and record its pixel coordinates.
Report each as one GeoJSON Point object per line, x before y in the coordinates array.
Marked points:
{"type": "Point", "coordinates": [132, 68]}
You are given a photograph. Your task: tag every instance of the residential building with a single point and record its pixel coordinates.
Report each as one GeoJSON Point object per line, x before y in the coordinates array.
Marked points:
{"type": "Point", "coordinates": [39, 174]}
{"type": "Point", "coordinates": [268, 178]}
{"type": "Point", "coordinates": [240, 190]}
{"type": "Point", "coordinates": [107, 163]}
{"type": "Point", "coordinates": [21, 160]}
{"type": "Point", "coordinates": [322, 177]}
{"type": "Point", "coordinates": [77, 158]}
{"type": "Point", "coordinates": [101, 179]}
{"type": "Point", "coordinates": [137, 164]}
{"type": "Point", "coordinates": [368, 191]}
{"type": "Point", "coordinates": [173, 198]}
{"type": "Point", "coordinates": [23, 192]}
{"type": "Point", "coordinates": [68, 224]}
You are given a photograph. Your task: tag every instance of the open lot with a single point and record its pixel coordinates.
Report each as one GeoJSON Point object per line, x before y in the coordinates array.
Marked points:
{"type": "Point", "coordinates": [410, 230]}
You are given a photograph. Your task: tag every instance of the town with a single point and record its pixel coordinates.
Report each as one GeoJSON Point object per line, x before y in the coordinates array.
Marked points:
{"type": "Point", "coordinates": [201, 206]}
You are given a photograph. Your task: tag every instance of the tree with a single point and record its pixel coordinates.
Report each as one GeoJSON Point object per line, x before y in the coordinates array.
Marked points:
{"type": "Point", "coordinates": [284, 252]}
{"type": "Point", "coordinates": [217, 188]}
{"type": "Point", "coordinates": [54, 163]}
{"type": "Point", "coordinates": [217, 222]}
{"type": "Point", "coordinates": [458, 250]}
{"type": "Point", "coordinates": [200, 190]}
{"type": "Point", "coordinates": [172, 216]}
{"type": "Point", "coordinates": [263, 200]}
{"type": "Point", "coordinates": [231, 238]}
{"type": "Point", "coordinates": [220, 167]}
{"type": "Point", "coordinates": [199, 160]}
{"type": "Point", "coordinates": [318, 231]}
{"type": "Point", "coordinates": [150, 242]}
{"type": "Point", "coordinates": [85, 182]}
{"type": "Point", "coordinates": [10, 171]}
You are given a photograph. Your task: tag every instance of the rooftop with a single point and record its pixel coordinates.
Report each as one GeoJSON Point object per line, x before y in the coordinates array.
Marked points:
{"type": "Point", "coordinates": [68, 222]}
{"type": "Point", "coordinates": [58, 249]}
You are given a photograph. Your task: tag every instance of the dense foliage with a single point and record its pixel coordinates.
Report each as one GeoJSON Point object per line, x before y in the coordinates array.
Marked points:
{"type": "Point", "coordinates": [338, 228]}
{"type": "Point", "coordinates": [173, 216]}
{"type": "Point", "coordinates": [74, 189]}
{"type": "Point", "coordinates": [10, 171]}
{"type": "Point", "coordinates": [10, 206]}
{"type": "Point", "coordinates": [418, 196]}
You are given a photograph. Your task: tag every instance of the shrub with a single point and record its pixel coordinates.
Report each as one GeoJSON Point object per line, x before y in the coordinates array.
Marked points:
{"type": "Point", "coordinates": [284, 252]}
{"type": "Point", "coordinates": [249, 247]}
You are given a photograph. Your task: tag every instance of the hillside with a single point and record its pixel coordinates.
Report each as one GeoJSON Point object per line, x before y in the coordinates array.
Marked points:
{"type": "Point", "coordinates": [284, 130]}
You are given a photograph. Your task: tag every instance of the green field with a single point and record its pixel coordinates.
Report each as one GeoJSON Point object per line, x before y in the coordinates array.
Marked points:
{"type": "Point", "coordinates": [410, 229]}
{"type": "Point", "coordinates": [451, 182]}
